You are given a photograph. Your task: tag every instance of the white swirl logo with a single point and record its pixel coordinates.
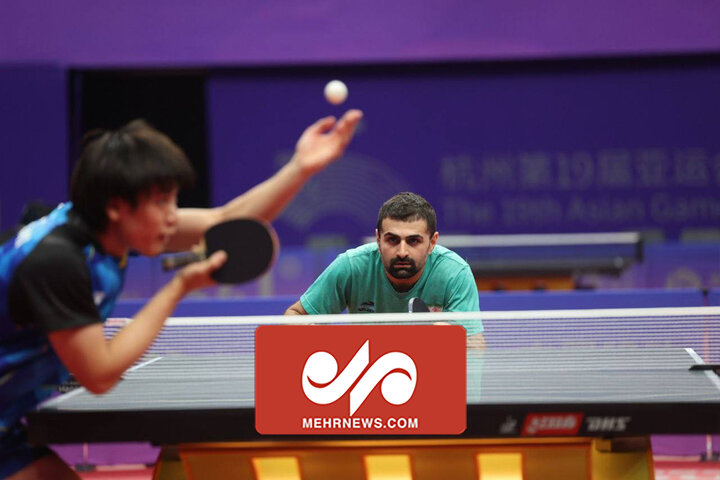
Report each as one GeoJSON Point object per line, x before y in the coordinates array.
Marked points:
{"type": "Point", "coordinates": [321, 368]}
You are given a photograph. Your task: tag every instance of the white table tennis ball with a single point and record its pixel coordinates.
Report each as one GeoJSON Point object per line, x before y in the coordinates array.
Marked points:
{"type": "Point", "coordinates": [336, 92]}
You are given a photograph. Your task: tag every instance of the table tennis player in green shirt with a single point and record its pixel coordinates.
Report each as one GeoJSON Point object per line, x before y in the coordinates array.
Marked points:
{"type": "Point", "coordinates": [404, 262]}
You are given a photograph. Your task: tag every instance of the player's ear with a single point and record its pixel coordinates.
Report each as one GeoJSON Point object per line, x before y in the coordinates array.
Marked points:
{"type": "Point", "coordinates": [433, 241]}
{"type": "Point", "coordinates": [377, 236]}
{"type": "Point", "coordinates": [113, 209]}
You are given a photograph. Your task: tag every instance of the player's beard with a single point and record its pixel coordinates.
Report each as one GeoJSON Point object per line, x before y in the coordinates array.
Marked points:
{"type": "Point", "coordinates": [402, 272]}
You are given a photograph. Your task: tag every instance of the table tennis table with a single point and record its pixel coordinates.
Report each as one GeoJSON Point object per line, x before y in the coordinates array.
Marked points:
{"type": "Point", "coordinates": [544, 261]}
{"type": "Point", "coordinates": [582, 383]}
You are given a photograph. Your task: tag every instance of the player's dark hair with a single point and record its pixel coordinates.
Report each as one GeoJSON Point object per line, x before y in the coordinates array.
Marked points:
{"type": "Point", "coordinates": [125, 163]}
{"type": "Point", "coordinates": [408, 207]}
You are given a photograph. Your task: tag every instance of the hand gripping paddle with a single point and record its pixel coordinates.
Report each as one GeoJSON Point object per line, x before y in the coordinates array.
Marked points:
{"type": "Point", "coordinates": [251, 248]}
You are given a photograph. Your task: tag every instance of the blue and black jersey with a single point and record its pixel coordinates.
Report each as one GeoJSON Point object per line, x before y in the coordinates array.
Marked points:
{"type": "Point", "coordinates": [54, 276]}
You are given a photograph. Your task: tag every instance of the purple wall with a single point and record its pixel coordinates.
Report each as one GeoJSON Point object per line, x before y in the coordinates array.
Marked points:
{"type": "Point", "coordinates": [537, 149]}
{"type": "Point", "coordinates": [33, 138]}
{"type": "Point", "coordinates": [187, 32]}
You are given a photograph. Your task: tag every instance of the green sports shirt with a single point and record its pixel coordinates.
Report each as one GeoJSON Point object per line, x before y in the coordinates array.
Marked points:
{"type": "Point", "coordinates": [356, 280]}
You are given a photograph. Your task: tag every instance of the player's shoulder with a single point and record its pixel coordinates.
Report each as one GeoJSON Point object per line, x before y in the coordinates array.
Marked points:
{"type": "Point", "coordinates": [368, 250]}
{"type": "Point", "coordinates": [59, 251]}
{"type": "Point", "coordinates": [360, 259]}
{"type": "Point", "coordinates": [446, 257]}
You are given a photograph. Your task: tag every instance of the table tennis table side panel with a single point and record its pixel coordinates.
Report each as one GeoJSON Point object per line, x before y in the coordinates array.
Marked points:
{"type": "Point", "coordinates": [197, 410]}
{"type": "Point", "coordinates": [546, 375]}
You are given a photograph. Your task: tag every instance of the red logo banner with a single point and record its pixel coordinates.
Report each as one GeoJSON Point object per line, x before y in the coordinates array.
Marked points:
{"type": "Point", "coordinates": [360, 379]}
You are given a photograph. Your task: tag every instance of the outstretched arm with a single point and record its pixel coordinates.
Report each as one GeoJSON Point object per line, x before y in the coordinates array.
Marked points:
{"type": "Point", "coordinates": [321, 143]}
{"type": "Point", "coordinates": [98, 363]}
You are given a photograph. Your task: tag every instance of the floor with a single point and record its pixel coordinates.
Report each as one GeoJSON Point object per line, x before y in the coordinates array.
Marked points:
{"type": "Point", "coordinates": [664, 470]}
{"type": "Point", "coordinates": [686, 470]}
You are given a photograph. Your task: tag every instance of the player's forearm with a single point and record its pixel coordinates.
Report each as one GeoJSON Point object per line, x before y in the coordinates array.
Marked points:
{"type": "Point", "coordinates": [192, 224]}
{"type": "Point", "coordinates": [296, 309]}
{"type": "Point", "coordinates": [264, 201]}
{"type": "Point", "coordinates": [268, 199]}
{"type": "Point", "coordinates": [97, 363]}
{"type": "Point", "coordinates": [132, 341]}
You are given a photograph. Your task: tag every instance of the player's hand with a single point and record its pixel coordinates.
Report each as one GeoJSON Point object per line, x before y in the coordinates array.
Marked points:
{"type": "Point", "coordinates": [324, 141]}
{"type": "Point", "coordinates": [197, 275]}
{"type": "Point", "coordinates": [476, 341]}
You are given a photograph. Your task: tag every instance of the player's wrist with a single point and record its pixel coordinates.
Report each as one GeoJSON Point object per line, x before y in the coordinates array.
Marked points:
{"type": "Point", "coordinates": [180, 285]}
{"type": "Point", "coordinates": [298, 167]}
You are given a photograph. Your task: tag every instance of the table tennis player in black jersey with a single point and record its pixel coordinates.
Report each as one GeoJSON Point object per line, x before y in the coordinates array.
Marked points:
{"type": "Point", "coordinates": [60, 275]}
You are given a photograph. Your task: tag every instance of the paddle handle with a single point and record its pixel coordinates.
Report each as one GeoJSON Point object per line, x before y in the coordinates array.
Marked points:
{"type": "Point", "coordinates": [173, 262]}
{"type": "Point", "coordinates": [416, 305]}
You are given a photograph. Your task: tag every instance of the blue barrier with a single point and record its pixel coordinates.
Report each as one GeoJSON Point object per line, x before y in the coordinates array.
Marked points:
{"type": "Point", "coordinates": [713, 297]}
{"type": "Point", "coordinates": [276, 305]}
{"type": "Point", "coordinates": [215, 307]}
{"type": "Point", "coordinates": [555, 300]}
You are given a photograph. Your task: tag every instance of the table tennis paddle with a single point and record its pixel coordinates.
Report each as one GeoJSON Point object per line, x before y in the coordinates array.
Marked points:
{"type": "Point", "coordinates": [251, 247]}
{"type": "Point", "coordinates": [715, 367]}
{"type": "Point", "coordinates": [416, 305]}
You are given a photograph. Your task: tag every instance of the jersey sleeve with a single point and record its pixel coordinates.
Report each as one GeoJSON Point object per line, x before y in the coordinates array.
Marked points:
{"type": "Point", "coordinates": [462, 296]}
{"type": "Point", "coordinates": [51, 289]}
{"type": "Point", "coordinates": [328, 294]}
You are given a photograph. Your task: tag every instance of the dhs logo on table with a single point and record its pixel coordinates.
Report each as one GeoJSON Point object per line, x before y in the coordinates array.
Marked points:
{"type": "Point", "coordinates": [357, 379]}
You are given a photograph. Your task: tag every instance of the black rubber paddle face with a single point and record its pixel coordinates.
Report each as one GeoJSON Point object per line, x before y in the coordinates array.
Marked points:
{"type": "Point", "coordinates": [251, 247]}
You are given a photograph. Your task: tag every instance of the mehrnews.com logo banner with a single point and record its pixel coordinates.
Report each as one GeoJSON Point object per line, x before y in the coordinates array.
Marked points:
{"type": "Point", "coordinates": [358, 379]}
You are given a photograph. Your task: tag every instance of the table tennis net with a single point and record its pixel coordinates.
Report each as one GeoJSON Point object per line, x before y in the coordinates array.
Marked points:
{"type": "Point", "coordinates": [696, 328]}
